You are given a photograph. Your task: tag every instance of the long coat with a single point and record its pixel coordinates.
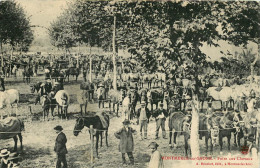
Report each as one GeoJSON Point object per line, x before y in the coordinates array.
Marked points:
{"type": "Point", "coordinates": [60, 144]}
{"type": "Point", "coordinates": [126, 139]}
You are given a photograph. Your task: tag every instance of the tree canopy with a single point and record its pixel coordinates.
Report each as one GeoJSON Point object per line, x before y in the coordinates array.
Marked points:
{"type": "Point", "coordinates": [15, 28]}
{"type": "Point", "coordinates": [160, 35]}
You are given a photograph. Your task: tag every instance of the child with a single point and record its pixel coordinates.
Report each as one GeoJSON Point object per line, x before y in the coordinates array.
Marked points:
{"type": "Point", "coordinates": [4, 154]}
{"type": "Point", "coordinates": [126, 144]}
{"type": "Point", "coordinates": [156, 157]}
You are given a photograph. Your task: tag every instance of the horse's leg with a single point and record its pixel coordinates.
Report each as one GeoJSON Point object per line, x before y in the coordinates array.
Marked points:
{"type": "Point", "coordinates": [221, 143]}
{"type": "Point", "coordinates": [106, 137]}
{"type": "Point", "coordinates": [235, 138]}
{"type": "Point", "coordinates": [117, 109]}
{"type": "Point", "coordinates": [86, 105]}
{"type": "Point", "coordinates": [101, 137]}
{"type": "Point", "coordinates": [186, 145]}
{"type": "Point", "coordinates": [206, 143]}
{"type": "Point", "coordinates": [174, 137]}
{"type": "Point", "coordinates": [81, 108]}
{"type": "Point", "coordinates": [170, 135]}
{"type": "Point", "coordinates": [21, 140]}
{"type": "Point", "coordinates": [211, 147]}
{"type": "Point", "coordinates": [228, 138]}
{"type": "Point", "coordinates": [15, 142]}
{"type": "Point", "coordinates": [97, 139]}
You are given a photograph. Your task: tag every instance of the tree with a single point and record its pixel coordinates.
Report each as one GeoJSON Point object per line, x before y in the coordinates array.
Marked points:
{"type": "Point", "coordinates": [15, 28]}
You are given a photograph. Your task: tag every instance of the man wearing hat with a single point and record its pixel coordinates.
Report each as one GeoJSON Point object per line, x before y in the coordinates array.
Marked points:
{"type": "Point", "coordinates": [126, 144]}
{"type": "Point", "coordinates": [60, 147]}
{"type": "Point", "coordinates": [160, 117]}
{"type": "Point", "coordinates": [143, 115]}
{"type": "Point", "coordinates": [4, 154]}
{"type": "Point", "coordinates": [156, 157]}
{"type": "Point", "coordinates": [13, 160]}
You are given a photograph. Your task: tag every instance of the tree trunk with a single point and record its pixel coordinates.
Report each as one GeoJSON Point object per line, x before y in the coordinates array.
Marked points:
{"type": "Point", "coordinates": [194, 137]}
{"type": "Point", "coordinates": [114, 54]}
{"type": "Point", "coordinates": [78, 57]}
{"type": "Point", "coordinates": [2, 55]}
{"type": "Point", "coordinates": [252, 68]}
{"type": "Point", "coordinates": [11, 57]}
{"type": "Point", "coordinates": [90, 65]}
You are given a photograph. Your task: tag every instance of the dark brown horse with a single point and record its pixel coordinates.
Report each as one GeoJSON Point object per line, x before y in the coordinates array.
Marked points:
{"type": "Point", "coordinates": [13, 128]}
{"type": "Point", "coordinates": [100, 124]}
{"type": "Point", "coordinates": [72, 71]}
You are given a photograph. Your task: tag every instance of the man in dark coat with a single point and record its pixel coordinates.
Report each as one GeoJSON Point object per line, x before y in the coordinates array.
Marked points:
{"type": "Point", "coordinates": [60, 147]}
{"type": "Point", "coordinates": [126, 144]}
{"type": "Point", "coordinates": [160, 117]}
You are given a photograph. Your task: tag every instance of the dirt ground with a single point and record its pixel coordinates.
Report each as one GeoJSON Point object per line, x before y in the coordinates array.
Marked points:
{"type": "Point", "coordinates": [39, 136]}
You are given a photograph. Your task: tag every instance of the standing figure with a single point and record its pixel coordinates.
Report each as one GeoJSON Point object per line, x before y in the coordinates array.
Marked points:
{"type": "Point", "coordinates": [143, 115]}
{"type": "Point", "coordinates": [156, 160]}
{"type": "Point", "coordinates": [160, 117]}
{"type": "Point", "coordinates": [60, 147]}
{"type": "Point", "coordinates": [4, 154]}
{"type": "Point", "coordinates": [126, 144]}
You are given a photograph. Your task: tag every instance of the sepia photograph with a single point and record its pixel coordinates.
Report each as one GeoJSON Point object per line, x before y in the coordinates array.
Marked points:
{"type": "Point", "coordinates": [129, 83]}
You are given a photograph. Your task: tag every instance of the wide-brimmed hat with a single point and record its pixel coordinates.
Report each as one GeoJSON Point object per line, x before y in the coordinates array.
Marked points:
{"type": "Point", "coordinates": [153, 144]}
{"type": "Point", "coordinates": [48, 80]}
{"type": "Point", "coordinates": [4, 152]}
{"type": "Point", "coordinates": [13, 156]}
{"type": "Point", "coordinates": [126, 122]}
{"type": "Point", "coordinates": [58, 127]}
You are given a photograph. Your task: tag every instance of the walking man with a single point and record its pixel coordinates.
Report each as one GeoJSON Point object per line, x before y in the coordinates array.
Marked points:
{"type": "Point", "coordinates": [160, 117]}
{"type": "Point", "coordinates": [126, 144]}
{"type": "Point", "coordinates": [143, 115]}
{"type": "Point", "coordinates": [60, 147]}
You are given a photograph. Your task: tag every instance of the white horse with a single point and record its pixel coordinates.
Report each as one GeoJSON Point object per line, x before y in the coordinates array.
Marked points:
{"type": "Point", "coordinates": [8, 98]}
{"type": "Point", "coordinates": [63, 99]}
{"type": "Point", "coordinates": [225, 95]}
{"type": "Point", "coordinates": [126, 108]}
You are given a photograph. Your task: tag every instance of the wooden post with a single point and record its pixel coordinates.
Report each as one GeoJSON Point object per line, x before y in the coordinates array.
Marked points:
{"type": "Point", "coordinates": [92, 144]}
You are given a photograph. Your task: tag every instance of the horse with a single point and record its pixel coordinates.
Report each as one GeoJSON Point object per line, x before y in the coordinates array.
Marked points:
{"type": "Point", "coordinates": [238, 125]}
{"type": "Point", "coordinates": [11, 127]}
{"type": "Point", "coordinates": [62, 99]}
{"type": "Point", "coordinates": [154, 96]}
{"type": "Point", "coordinates": [179, 122]}
{"type": "Point", "coordinates": [224, 95]}
{"type": "Point", "coordinates": [250, 127]}
{"type": "Point", "coordinates": [27, 73]}
{"type": "Point", "coordinates": [225, 129]}
{"type": "Point", "coordinates": [115, 97]}
{"type": "Point", "coordinates": [83, 99]}
{"type": "Point", "coordinates": [101, 96]}
{"type": "Point", "coordinates": [9, 97]}
{"type": "Point", "coordinates": [208, 130]}
{"type": "Point", "coordinates": [45, 102]}
{"type": "Point", "coordinates": [73, 72]}
{"type": "Point", "coordinates": [100, 124]}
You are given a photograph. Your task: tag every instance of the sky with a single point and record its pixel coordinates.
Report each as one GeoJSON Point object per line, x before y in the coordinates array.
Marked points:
{"type": "Point", "coordinates": [43, 12]}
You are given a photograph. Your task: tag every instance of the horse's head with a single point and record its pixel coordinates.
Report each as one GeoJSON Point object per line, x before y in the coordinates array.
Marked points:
{"type": "Point", "coordinates": [44, 100]}
{"type": "Point", "coordinates": [78, 126]}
